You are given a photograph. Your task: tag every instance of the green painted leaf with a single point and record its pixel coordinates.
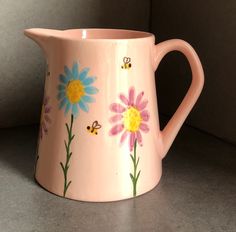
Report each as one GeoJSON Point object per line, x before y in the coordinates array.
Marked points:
{"type": "Point", "coordinates": [67, 128]}
{"type": "Point", "coordinates": [70, 155]}
{"type": "Point", "coordinates": [68, 185]}
{"type": "Point", "coordinates": [137, 176]}
{"type": "Point", "coordinates": [62, 166]}
{"type": "Point", "coordinates": [131, 176]}
{"type": "Point", "coordinates": [132, 158]}
{"type": "Point", "coordinates": [66, 145]}
{"type": "Point", "coordinates": [136, 165]}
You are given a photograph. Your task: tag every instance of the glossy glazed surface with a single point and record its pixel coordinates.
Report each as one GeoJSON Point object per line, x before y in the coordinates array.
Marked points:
{"type": "Point", "coordinates": [100, 138]}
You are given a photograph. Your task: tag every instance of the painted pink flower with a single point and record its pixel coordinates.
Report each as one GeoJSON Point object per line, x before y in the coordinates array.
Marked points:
{"type": "Point", "coordinates": [45, 119]}
{"type": "Point", "coordinates": [130, 118]}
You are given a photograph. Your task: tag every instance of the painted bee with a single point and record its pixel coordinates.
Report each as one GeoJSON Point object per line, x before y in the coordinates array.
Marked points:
{"type": "Point", "coordinates": [94, 128]}
{"type": "Point", "coordinates": [127, 64]}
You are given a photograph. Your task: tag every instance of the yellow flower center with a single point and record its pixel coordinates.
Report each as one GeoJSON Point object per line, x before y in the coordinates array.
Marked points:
{"type": "Point", "coordinates": [132, 119]}
{"type": "Point", "coordinates": [74, 91]}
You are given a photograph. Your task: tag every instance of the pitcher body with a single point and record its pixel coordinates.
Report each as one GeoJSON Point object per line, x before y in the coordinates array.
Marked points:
{"type": "Point", "coordinates": [99, 137]}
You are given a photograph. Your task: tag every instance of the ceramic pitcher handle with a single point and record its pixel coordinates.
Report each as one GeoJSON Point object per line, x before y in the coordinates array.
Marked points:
{"type": "Point", "coordinates": [170, 131]}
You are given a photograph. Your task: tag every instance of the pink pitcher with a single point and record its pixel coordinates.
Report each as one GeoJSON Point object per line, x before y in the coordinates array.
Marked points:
{"type": "Point", "coordinates": [99, 137]}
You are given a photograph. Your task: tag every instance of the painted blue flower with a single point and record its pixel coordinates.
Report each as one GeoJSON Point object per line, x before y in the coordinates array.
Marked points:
{"type": "Point", "coordinates": [75, 89]}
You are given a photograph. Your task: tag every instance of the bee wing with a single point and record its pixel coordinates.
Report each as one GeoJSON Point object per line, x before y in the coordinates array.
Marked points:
{"type": "Point", "coordinates": [98, 126]}
{"type": "Point", "coordinates": [128, 59]}
{"type": "Point", "coordinates": [125, 59]}
{"type": "Point", "coordinates": [95, 123]}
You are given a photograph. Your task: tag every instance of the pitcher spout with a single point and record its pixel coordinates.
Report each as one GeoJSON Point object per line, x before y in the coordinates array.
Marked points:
{"type": "Point", "coordinates": [41, 36]}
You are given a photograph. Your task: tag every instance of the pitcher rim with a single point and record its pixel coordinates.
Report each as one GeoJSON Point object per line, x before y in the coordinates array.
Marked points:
{"type": "Point", "coordinates": [98, 34]}
{"type": "Point", "coordinates": [135, 34]}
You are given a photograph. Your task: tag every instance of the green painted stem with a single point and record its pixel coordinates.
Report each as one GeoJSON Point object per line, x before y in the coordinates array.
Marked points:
{"type": "Point", "coordinates": [134, 177]}
{"type": "Point", "coordinates": [37, 157]}
{"type": "Point", "coordinates": [65, 166]}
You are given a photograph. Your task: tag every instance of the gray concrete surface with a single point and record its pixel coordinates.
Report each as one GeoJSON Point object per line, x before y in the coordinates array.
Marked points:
{"type": "Point", "coordinates": [197, 192]}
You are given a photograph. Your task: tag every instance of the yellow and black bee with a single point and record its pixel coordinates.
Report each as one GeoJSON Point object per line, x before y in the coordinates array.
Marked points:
{"type": "Point", "coordinates": [127, 64]}
{"type": "Point", "coordinates": [94, 128]}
